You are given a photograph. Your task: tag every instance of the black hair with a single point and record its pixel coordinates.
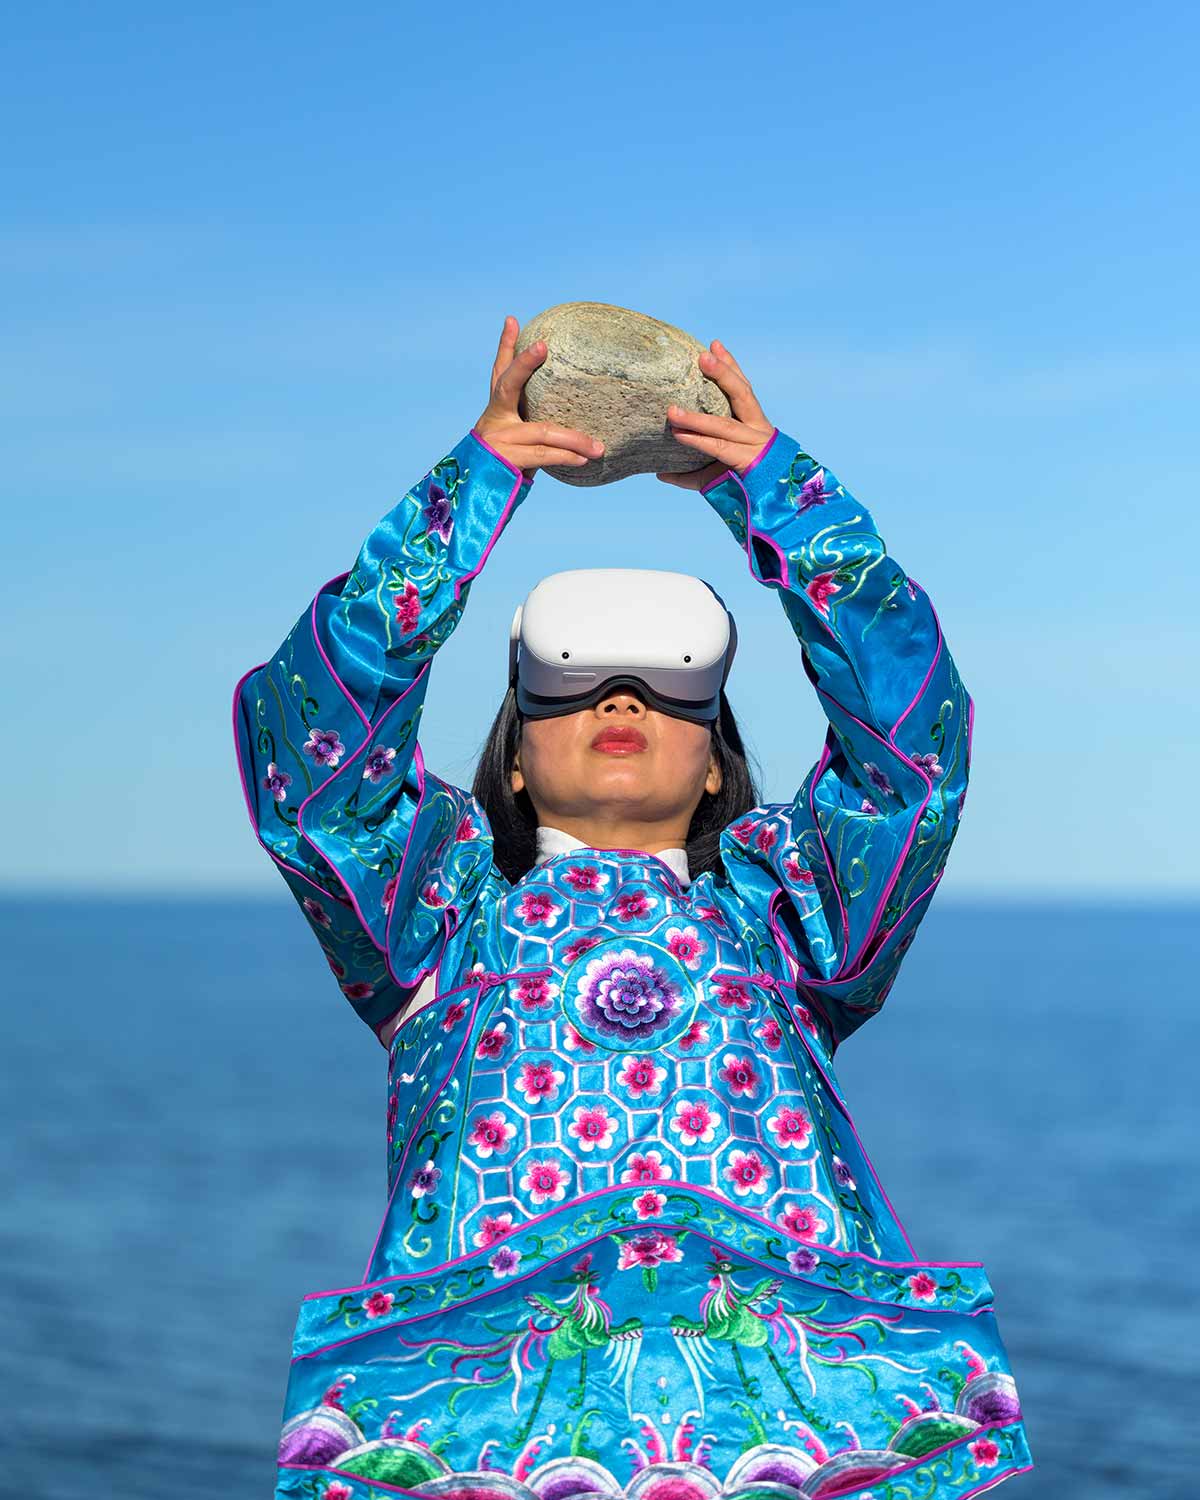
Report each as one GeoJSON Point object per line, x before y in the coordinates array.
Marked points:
{"type": "Point", "coordinates": [514, 819]}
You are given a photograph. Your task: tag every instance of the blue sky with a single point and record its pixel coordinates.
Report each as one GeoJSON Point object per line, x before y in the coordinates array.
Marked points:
{"type": "Point", "coordinates": [256, 262]}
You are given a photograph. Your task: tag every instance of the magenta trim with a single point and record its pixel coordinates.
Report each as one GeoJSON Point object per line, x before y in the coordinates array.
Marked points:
{"type": "Point", "coordinates": [434, 1096]}
{"type": "Point", "coordinates": [785, 578]}
{"type": "Point", "coordinates": [346, 693]}
{"type": "Point", "coordinates": [895, 875]}
{"type": "Point", "coordinates": [465, 578]}
{"type": "Point", "coordinates": [250, 807]}
{"type": "Point", "coordinates": [688, 1187]}
{"type": "Point", "coordinates": [434, 1312]}
{"type": "Point", "coordinates": [507, 462]}
{"type": "Point", "coordinates": [819, 771]}
{"type": "Point", "coordinates": [753, 464]}
{"type": "Point", "coordinates": [418, 760]}
{"type": "Point", "coordinates": [345, 766]}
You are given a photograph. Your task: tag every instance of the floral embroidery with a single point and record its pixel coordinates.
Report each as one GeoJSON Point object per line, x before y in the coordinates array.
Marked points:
{"type": "Point", "coordinates": [645, 1167]}
{"type": "Point", "coordinates": [746, 1171]}
{"type": "Point", "coordinates": [640, 1076]}
{"type": "Point", "coordinates": [491, 1133]}
{"type": "Point", "coordinates": [540, 1081]}
{"type": "Point", "coordinates": [425, 1180]}
{"type": "Point", "coordinates": [686, 945]}
{"type": "Point", "coordinates": [592, 1126]}
{"type": "Point", "coordinates": [276, 782]}
{"type": "Point", "coordinates": [378, 764]}
{"type": "Point", "coordinates": [324, 746]}
{"type": "Point", "coordinates": [694, 1122]}
{"type": "Point", "coordinates": [408, 608]}
{"type": "Point", "coordinates": [545, 1181]}
{"type": "Point", "coordinates": [538, 909]}
{"type": "Point", "coordinates": [739, 1074]}
{"type": "Point", "coordinates": [790, 1126]}
{"type": "Point", "coordinates": [492, 1227]}
{"type": "Point", "coordinates": [627, 995]}
{"type": "Point", "coordinates": [438, 518]}
{"type": "Point", "coordinates": [820, 588]}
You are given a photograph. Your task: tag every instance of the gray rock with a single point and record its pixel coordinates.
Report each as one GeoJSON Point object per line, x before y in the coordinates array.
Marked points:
{"type": "Point", "coordinates": [612, 373]}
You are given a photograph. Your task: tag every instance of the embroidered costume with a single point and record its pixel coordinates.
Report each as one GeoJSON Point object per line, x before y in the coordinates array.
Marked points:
{"type": "Point", "coordinates": [633, 1244]}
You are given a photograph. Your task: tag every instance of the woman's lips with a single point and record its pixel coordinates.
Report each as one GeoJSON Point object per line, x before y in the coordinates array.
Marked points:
{"type": "Point", "coordinates": [619, 741]}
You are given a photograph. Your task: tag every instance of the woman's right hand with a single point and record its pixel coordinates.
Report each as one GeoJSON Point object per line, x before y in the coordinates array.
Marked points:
{"type": "Point", "coordinates": [528, 445]}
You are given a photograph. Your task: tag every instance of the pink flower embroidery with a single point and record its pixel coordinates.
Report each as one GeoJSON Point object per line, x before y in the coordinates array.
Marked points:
{"type": "Point", "coordinates": [545, 1181]}
{"type": "Point", "coordinates": [804, 1016]}
{"type": "Point", "coordinates": [277, 782]}
{"type": "Point", "coordinates": [539, 1081]}
{"type": "Point", "coordinates": [431, 895]}
{"type": "Point", "coordinates": [538, 909]}
{"type": "Point", "coordinates": [535, 993]}
{"type": "Point", "coordinates": [649, 1204]}
{"type": "Point", "coordinates": [790, 1127]}
{"type": "Point", "coordinates": [766, 838]}
{"type": "Point", "coordinates": [324, 746]}
{"type": "Point", "coordinates": [575, 1041]}
{"type": "Point", "coordinates": [695, 1035]}
{"type": "Point", "coordinates": [389, 893]}
{"type": "Point", "coordinates": [710, 914]}
{"type": "Point", "coordinates": [820, 589]}
{"type": "Point", "coordinates": [493, 1041]}
{"type": "Point", "coordinates": [359, 990]}
{"type": "Point", "coordinates": [467, 828]}
{"type": "Point", "coordinates": [694, 1123]}
{"type": "Point", "coordinates": [492, 1228]}
{"type": "Point", "coordinates": [796, 871]}
{"type": "Point", "coordinates": [337, 1491]}
{"type": "Point", "coordinates": [733, 995]}
{"type": "Point", "coordinates": [592, 1126]}
{"type": "Point", "coordinates": [649, 1250]}
{"type": "Point", "coordinates": [805, 1223]}
{"type": "Point", "coordinates": [632, 905]}
{"type": "Point", "coordinates": [585, 878]}
{"type": "Point", "coordinates": [645, 1167]}
{"type": "Point", "coordinates": [641, 1075]}
{"type": "Point", "coordinates": [378, 1304]}
{"type": "Point", "coordinates": [741, 831]}
{"type": "Point", "coordinates": [771, 1033]}
{"type": "Point", "coordinates": [491, 1133]}
{"type": "Point", "coordinates": [746, 1172]}
{"type": "Point", "coordinates": [454, 1014]}
{"type": "Point", "coordinates": [316, 912]}
{"type": "Point", "coordinates": [338, 967]}
{"type": "Point", "coordinates": [580, 946]}
{"type": "Point", "coordinates": [408, 608]}
{"type": "Point", "coordinates": [378, 764]}
{"type": "Point", "coordinates": [738, 1073]}
{"type": "Point", "coordinates": [984, 1451]}
{"type": "Point", "coordinates": [685, 944]}
{"type": "Point", "coordinates": [923, 1286]}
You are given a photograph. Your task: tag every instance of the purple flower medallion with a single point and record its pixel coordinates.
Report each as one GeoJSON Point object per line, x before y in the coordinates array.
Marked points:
{"type": "Point", "coordinates": [623, 995]}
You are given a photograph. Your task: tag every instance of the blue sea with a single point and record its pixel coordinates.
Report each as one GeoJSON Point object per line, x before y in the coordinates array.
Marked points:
{"type": "Point", "coordinates": [192, 1138]}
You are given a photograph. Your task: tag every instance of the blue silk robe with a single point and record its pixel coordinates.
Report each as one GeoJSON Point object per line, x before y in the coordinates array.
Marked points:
{"type": "Point", "coordinates": [633, 1244]}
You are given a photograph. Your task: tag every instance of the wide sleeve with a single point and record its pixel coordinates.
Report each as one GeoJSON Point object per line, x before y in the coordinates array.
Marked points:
{"type": "Point", "coordinates": [843, 874]}
{"type": "Point", "coordinates": [384, 858]}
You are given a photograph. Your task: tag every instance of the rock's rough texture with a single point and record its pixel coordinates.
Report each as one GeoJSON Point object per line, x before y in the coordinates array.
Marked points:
{"type": "Point", "coordinates": [612, 373]}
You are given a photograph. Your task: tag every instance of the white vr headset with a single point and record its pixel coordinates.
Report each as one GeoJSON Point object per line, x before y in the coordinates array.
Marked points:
{"type": "Point", "coordinates": [581, 633]}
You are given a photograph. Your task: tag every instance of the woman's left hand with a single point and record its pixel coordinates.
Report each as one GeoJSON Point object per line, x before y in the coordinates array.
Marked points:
{"type": "Point", "coordinates": [735, 442]}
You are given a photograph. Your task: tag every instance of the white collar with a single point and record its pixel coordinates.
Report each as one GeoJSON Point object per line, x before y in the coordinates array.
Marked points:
{"type": "Point", "coordinates": [552, 841]}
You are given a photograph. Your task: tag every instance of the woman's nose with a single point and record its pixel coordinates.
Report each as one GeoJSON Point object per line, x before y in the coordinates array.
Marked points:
{"type": "Point", "coordinates": [622, 703]}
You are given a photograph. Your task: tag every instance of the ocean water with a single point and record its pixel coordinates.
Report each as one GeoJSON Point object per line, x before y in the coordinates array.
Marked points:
{"type": "Point", "coordinates": [192, 1138]}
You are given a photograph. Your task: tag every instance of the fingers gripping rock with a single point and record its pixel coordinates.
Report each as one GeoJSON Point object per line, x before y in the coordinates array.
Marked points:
{"type": "Point", "coordinates": [613, 373]}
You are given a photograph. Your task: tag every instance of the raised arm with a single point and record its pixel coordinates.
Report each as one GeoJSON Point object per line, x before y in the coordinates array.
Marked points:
{"type": "Point", "coordinates": [383, 857]}
{"type": "Point", "coordinates": [844, 872]}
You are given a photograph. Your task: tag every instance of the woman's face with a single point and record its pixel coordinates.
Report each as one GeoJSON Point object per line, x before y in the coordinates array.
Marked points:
{"type": "Point", "coordinates": [615, 762]}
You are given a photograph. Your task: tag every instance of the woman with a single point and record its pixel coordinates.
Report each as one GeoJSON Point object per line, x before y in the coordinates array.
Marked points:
{"type": "Point", "coordinates": [633, 1241]}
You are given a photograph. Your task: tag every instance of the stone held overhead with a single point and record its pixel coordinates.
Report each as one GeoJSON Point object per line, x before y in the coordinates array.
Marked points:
{"type": "Point", "coordinates": [612, 373]}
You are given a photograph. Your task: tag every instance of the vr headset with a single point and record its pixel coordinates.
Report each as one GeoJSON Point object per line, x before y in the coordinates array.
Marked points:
{"type": "Point", "coordinates": [582, 633]}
